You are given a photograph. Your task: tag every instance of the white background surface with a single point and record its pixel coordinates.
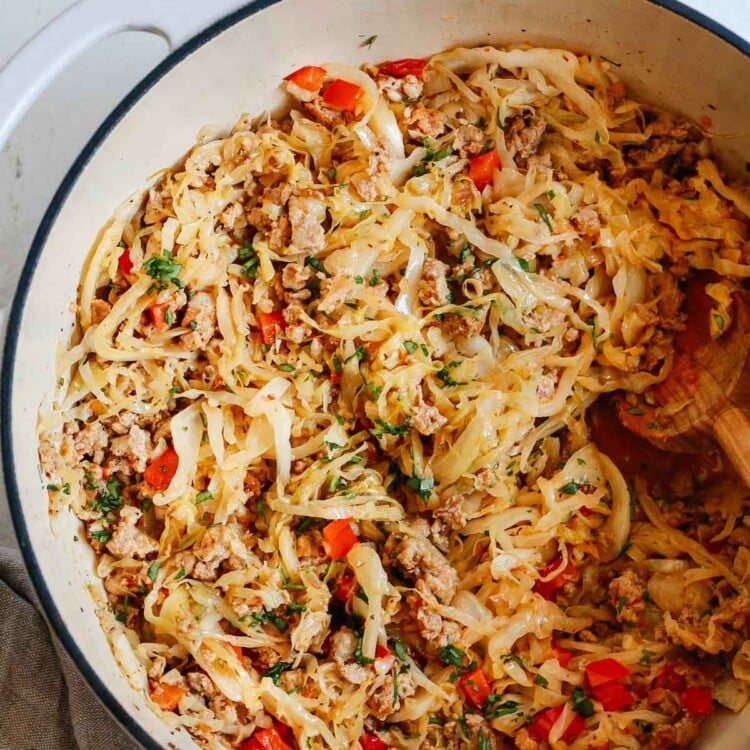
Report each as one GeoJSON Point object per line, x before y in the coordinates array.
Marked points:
{"type": "Point", "coordinates": [45, 144]}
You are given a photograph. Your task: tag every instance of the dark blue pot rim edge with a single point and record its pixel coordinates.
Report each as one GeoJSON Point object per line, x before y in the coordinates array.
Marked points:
{"type": "Point", "coordinates": [111, 703]}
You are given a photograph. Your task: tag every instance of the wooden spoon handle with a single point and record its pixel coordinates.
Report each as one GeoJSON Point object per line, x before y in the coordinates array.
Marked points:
{"type": "Point", "coordinates": [732, 430]}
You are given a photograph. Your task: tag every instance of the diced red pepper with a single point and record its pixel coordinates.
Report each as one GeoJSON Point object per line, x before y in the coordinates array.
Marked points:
{"type": "Point", "coordinates": [160, 471]}
{"type": "Point", "coordinates": [475, 687]}
{"type": "Point", "coordinates": [548, 588]}
{"type": "Point", "coordinates": [482, 167]}
{"type": "Point", "coordinates": [669, 679]}
{"type": "Point", "coordinates": [543, 722]}
{"type": "Point", "coordinates": [342, 95]}
{"type": "Point", "coordinates": [409, 66]}
{"type": "Point", "coordinates": [613, 696]}
{"type": "Point", "coordinates": [237, 650]}
{"type": "Point", "coordinates": [167, 697]}
{"type": "Point", "coordinates": [277, 737]}
{"type": "Point", "coordinates": [339, 538]}
{"type": "Point", "coordinates": [269, 323]}
{"type": "Point", "coordinates": [125, 263]}
{"type": "Point", "coordinates": [157, 315]}
{"type": "Point", "coordinates": [308, 77]}
{"type": "Point", "coordinates": [372, 742]}
{"type": "Point", "coordinates": [604, 671]}
{"type": "Point", "coordinates": [563, 655]}
{"type": "Point", "coordinates": [382, 651]}
{"type": "Point", "coordinates": [345, 586]}
{"type": "Point", "coordinates": [697, 701]}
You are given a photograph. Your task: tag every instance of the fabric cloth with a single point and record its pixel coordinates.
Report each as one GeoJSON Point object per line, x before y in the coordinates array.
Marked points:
{"type": "Point", "coordinates": [45, 704]}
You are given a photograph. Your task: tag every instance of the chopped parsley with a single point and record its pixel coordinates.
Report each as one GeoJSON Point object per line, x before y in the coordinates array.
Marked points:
{"type": "Point", "coordinates": [317, 265]}
{"type": "Point", "coordinates": [524, 264]}
{"type": "Point", "coordinates": [464, 252]}
{"type": "Point", "coordinates": [570, 488]}
{"type": "Point", "coordinates": [358, 657]}
{"type": "Point", "coordinates": [285, 367]}
{"type": "Point", "coordinates": [452, 655]}
{"type": "Point", "coordinates": [278, 622]}
{"type": "Point", "coordinates": [621, 602]}
{"type": "Point", "coordinates": [581, 704]}
{"type": "Point", "coordinates": [423, 486]}
{"type": "Point", "coordinates": [545, 216]}
{"type": "Point", "coordinates": [360, 354]}
{"type": "Point", "coordinates": [248, 259]}
{"type": "Point", "coordinates": [164, 269]}
{"type": "Point", "coordinates": [386, 428]}
{"type": "Point", "coordinates": [541, 680]}
{"type": "Point", "coordinates": [646, 657]}
{"type": "Point", "coordinates": [494, 710]}
{"type": "Point", "coordinates": [431, 155]}
{"type": "Point", "coordinates": [180, 574]}
{"type": "Point", "coordinates": [410, 346]}
{"type": "Point", "coordinates": [276, 670]}
{"type": "Point", "coordinates": [201, 497]}
{"type": "Point", "coordinates": [369, 41]}
{"type": "Point", "coordinates": [153, 570]}
{"type": "Point", "coordinates": [122, 615]}
{"type": "Point", "coordinates": [398, 649]}
{"type": "Point", "coordinates": [102, 535]}
{"type": "Point", "coordinates": [719, 321]}
{"type": "Point", "coordinates": [109, 500]}
{"type": "Point", "coordinates": [445, 377]}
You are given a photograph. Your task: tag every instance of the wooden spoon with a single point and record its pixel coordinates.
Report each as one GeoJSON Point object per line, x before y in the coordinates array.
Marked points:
{"type": "Point", "coordinates": [705, 399]}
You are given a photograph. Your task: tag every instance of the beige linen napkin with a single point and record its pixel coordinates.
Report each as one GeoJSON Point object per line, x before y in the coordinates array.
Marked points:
{"type": "Point", "coordinates": [45, 704]}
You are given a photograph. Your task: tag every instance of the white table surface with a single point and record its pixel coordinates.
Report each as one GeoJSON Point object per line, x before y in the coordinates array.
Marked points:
{"type": "Point", "coordinates": [54, 131]}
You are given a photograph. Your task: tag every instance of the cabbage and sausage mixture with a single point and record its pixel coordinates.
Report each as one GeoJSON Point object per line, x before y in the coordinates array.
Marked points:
{"type": "Point", "coordinates": [329, 418]}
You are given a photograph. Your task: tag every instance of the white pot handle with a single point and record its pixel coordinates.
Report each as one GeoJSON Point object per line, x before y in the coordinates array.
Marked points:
{"type": "Point", "coordinates": [45, 55]}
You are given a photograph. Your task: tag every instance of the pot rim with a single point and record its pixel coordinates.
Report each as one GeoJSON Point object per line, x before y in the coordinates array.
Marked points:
{"type": "Point", "coordinates": [53, 616]}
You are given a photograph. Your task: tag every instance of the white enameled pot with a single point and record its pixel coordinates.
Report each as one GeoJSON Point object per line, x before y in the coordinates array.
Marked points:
{"type": "Point", "coordinates": [667, 53]}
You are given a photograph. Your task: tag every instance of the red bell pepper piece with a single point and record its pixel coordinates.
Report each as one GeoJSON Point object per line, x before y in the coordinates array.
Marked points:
{"type": "Point", "coordinates": [548, 588]}
{"type": "Point", "coordinates": [339, 538]}
{"type": "Point", "coordinates": [345, 586]}
{"type": "Point", "coordinates": [563, 655]}
{"type": "Point", "coordinates": [613, 696]}
{"type": "Point", "coordinates": [475, 687]}
{"type": "Point", "coordinates": [268, 323]}
{"type": "Point", "coordinates": [543, 722]}
{"type": "Point", "coordinates": [160, 471]}
{"type": "Point", "coordinates": [482, 167]}
{"type": "Point", "coordinates": [167, 697]}
{"type": "Point", "coordinates": [697, 701]}
{"type": "Point", "coordinates": [125, 263]}
{"type": "Point", "coordinates": [276, 737]}
{"type": "Point", "coordinates": [308, 77]}
{"type": "Point", "coordinates": [372, 742]}
{"type": "Point", "coordinates": [669, 679]}
{"type": "Point", "coordinates": [342, 95]}
{"type": "Point", "coordinates": [409, 66]}
{"type": "Point", "coordinates": [157, 315]}
{"type": "Point", "coordinates": [604, 671]}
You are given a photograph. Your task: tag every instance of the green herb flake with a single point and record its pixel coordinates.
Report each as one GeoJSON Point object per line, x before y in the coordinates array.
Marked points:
{"type": "Point", "coordinates": [452, 655]}
{"type": "Point", "coordinates": [386, 428]}
{"type": "Point", "coordinates": [541, 680]}
{"type": "Point", "coordinates": [109, 500]}
{"type": "Point", "coordinates": [102, 535]}
{"type": "Point", "coordinates": [483, 741]}
{"type": "Point", "coordinates": [249, 261]}
{"type": "Point", "coordinates": [410, 346]}
{"type": "Point", "coordinates": [570, 488]}
{"type": "Point", "coordinates": [597, 138]}
{"type": "Point", "coordinates": [494, 709]}
{"type": "Point", "coordinates": [276, 671]}
{"type": "Point", "coordinates": [545, 216]}
{"type": "Point", "coordinates": [719, 321]}
{"type": "Point", "coordinates": [317, 265]}
{"type": "Point", "coordinates": [285, 367]}
{"type": "Point", "coordinates": [201, 497]}
{"type": "Point", "coordinates": [271, 617]}
{"type": "Point", "coordinates": [53, 488]}
{"type": "Point", "coordinates": [423, 486]}
{"type": "Point", "coordinates": [180, 574]}
{"type": "Point", "coordinates": [332, 174]}
{"type": "Point", "coordinates": [164, 269]}
{"type": "Point", "coordinates": [524, 264]}
{"type": "Point", "coordinates": [581, 704]}
{"type": "Point", "coordinates": [646, 657]}
{"type": "Point", "coordinates": [168, 316]}
{"type": "Point", "coordinates": [369, 41]}
{"type": "Point", "coordinates": [398, 649]}
{"type": "Point", "coordinates": [153, 570]}
{"type": "Point", "coordinates": [636, 411]}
